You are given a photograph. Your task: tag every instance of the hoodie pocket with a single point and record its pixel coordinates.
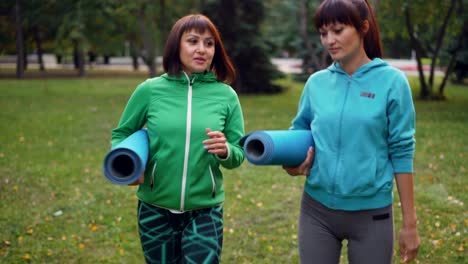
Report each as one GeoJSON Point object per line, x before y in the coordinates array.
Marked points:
{"type": "Point", "coordinates": [322, 171]}
{"type": "Point", "coordinates": [356, 175]}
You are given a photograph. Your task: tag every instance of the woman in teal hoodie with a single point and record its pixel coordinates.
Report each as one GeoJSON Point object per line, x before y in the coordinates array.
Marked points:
{"type": "Point", "coordinates": [194, 123]}
{"type": "Point", "coordinates": [361, 115]}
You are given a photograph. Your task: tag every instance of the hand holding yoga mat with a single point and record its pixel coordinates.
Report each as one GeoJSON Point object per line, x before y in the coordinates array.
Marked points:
{"type": "Point", "coordinates": [277, 147]}
{"type": "Point", "coordinates": [126, 162]}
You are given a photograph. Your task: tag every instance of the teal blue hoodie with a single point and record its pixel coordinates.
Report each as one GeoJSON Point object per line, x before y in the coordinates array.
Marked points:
{"type": "Point", "coordinates": [363, 126]}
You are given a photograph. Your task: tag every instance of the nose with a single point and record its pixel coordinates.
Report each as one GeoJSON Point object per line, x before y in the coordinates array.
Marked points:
{"type": "Point", "coordinates": [201, 48]}
{"type": "Point", "coordinates": [328, 40]}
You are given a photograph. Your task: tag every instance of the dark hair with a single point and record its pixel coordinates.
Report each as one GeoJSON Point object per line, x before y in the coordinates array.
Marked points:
{"type": "Point", "coordinates": [221, 65]}
{"type": "Point", "coordinates": [354, 13]}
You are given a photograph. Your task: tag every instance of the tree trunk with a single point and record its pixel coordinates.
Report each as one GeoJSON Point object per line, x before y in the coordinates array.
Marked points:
{"type": "Point", "coordinates": [19, 41]}
{"type": "Point", "coordinates": [134, 55]}
{"type": "Point", "coordinates": [78, 58]}
{"type": "Point", "coordinates": [163, 28]}
{"type": "Point", "coordinates": [148, 44]}
{"type": "Point", "coordinates": [425, 91]}
{"type": "Point", "coordinates": [135, 63]}
{"type": "Point", "coordinates": [453, 59]}
{"type": "Point", "coordinates": [310, 62]}
{"type": "Point", "coordinates": [37, 39]}
{"type": "Point", "coordinates": [440, 38]}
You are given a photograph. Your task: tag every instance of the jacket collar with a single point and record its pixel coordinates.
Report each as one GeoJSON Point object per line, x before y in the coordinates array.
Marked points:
{"type": "Point", "coordinates": [207, 76]}
{"type": "Point", "coordinates": [375, 63]}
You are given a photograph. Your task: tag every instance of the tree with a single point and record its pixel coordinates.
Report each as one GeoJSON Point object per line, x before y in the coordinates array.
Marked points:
{"type": "Point", "coordinates": [429, 24]}
{"type": "Point", "coordinates": [238, 22]}
{"type": "Point", "coordinates": [282, 39]}
{"type": "Point", "coordinates": [311, 60]}
{"type": "Point", "coordinates": [19, 40]}
{"type": "Point", "coordinates": [146, 25]}
{"type": "Point", "coordinates": [460, 59]}
{"type": "Point", "coordinates": [295, 34]}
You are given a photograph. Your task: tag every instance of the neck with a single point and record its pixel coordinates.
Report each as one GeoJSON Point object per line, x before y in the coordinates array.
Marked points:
{"type": "Point", "coordinates": [351, 65]}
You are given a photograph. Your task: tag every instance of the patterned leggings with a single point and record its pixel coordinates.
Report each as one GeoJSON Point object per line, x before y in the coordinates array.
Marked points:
{"type": "Point", "coordinates": [189, 237]}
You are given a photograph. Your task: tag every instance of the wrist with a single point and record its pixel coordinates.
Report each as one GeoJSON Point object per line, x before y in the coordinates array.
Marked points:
{"type": "Point", "coordinates": [410, 222]}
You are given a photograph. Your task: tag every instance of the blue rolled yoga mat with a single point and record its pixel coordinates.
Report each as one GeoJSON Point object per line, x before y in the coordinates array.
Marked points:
{"type": "Point", "coordinates": [277, 147]}
{"type": "Point", "coordinates": [125, 163]}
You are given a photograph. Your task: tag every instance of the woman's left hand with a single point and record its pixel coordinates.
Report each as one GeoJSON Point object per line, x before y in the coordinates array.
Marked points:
{"type": "Point", "coordinates": [409, 243]}
{"type": "Point", "coordinates": [216, 144]}
{"type": "Point", "coordinates": [304, 168]}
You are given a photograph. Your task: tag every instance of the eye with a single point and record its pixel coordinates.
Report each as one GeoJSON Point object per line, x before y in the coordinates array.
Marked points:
{"type": "Point", "coordinates": [338, 30]}
{"type": "Point", "coordinates": [209, 43]}
{"type": "Point", "coordinates": [192, 41]}
{"type": "Point", "coordinates": [323, 34]}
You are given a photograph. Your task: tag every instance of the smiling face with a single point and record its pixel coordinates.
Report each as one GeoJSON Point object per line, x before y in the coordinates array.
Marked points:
{"type": "Point", "coordinates": [196, 51]}
{"type": "Point", "coordinates": [343, 42]}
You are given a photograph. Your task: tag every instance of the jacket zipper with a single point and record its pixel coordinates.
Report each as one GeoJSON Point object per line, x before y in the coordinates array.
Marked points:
{"type": "Point", "coordinates": [152, 175]}
{"type": "Point", "coordinates": [339, 134]}
{"type": "Point", "coordinates": [187, 142]}
{"type": "Point", "coordinates": [213, 192]}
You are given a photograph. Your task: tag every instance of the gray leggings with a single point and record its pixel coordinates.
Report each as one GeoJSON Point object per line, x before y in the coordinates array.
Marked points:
{"type": "Point", "coordinates": [321, 231]}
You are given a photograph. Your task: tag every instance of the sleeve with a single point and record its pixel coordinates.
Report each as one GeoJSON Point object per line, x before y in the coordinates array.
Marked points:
{"type": "Point", "coordinates": [401, 127]}
{"type": "Point", "coordinates": [304, 114]}
{"type": "Point", "coordinates": [234, 131]}
{"type": "Point", "coordinates": [134, 115]}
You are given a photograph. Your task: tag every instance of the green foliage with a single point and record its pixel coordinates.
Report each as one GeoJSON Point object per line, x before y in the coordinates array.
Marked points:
{"type": "Point", "coordinates": [241, 35]}
{"type": "Point", "coordinates": [58, 208]}
{"type": "Point", "coordinates": [279, 28]}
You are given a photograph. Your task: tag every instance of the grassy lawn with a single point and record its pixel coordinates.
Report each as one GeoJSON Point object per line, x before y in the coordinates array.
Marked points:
{"type": "Point", "coordinates": [56, 207]}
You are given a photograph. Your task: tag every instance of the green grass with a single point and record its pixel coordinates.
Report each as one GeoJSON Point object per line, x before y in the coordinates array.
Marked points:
{"type": "Point", "coordinates": [56, 207]}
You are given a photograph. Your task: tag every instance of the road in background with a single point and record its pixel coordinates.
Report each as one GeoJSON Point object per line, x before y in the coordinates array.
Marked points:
{"type": "Point", "coordinates": [293, 65]}
{"type": "Point", "coordinates": [287, 65]}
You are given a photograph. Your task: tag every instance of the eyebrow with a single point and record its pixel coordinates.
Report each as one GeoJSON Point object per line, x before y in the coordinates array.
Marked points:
{"type": "Point", "coordinates": [198, 36]}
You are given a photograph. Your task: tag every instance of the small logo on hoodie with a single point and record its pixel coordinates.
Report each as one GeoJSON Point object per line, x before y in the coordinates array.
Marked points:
{"type": "Point", "coordinates": [368, 95]}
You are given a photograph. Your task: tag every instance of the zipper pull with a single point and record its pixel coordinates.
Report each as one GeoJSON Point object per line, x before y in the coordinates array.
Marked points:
{"type": "Point", "coordinates": [152, 175]}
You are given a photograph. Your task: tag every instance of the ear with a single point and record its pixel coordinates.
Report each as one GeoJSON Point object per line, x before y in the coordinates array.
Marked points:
{"type": "Point", "coordinates": [365, 27]}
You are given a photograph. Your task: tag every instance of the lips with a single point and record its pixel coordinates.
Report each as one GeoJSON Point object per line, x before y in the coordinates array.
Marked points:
{"type": "Point", "coordinates": [199, 60]}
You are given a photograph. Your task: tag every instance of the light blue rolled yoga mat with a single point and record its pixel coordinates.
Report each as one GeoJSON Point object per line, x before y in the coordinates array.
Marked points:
{"type": "Point", "coordinates": [277, 147]}
{"type": "Point", "coordinates": [125, 163]}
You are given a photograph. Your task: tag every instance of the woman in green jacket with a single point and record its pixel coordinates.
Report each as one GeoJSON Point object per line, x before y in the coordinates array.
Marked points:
{"type": "Point", "coordinates": [194, 122]}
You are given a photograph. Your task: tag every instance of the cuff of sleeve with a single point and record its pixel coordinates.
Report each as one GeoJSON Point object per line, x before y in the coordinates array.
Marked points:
{"type": "Point", "coordinates": [228, 154]}
{"type": "Point", "coordinates": [402, 165]}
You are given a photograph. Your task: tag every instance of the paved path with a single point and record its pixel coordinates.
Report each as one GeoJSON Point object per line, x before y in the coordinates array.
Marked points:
{"type": "Point", "coordinates": [287, 65]}
{"type": "Point", "coordinates": [292, 65]}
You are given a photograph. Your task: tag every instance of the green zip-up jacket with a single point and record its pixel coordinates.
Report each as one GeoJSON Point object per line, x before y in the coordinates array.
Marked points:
{"type": "Point", "coordinates": [180, 174]}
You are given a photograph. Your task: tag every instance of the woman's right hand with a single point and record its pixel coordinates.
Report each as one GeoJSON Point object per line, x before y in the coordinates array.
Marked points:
{"type": "Point", "coordinates": [304, 168]}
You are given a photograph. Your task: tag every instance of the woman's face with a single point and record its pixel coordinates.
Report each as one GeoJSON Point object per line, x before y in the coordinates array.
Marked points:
{"type": "Point", "coordinates": [196, 51]}
{"type": "Point", "coordinates": [342, 41]}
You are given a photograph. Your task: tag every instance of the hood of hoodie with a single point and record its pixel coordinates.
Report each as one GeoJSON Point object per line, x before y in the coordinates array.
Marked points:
{"type": "Point", "coordinates": [375, 63]}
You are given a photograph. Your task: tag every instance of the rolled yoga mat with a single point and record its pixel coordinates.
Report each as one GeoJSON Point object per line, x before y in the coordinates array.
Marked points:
{"type": "Point", "coordinates": [277, 147]}
{"type": "Point", "coordinates": [125, 163]}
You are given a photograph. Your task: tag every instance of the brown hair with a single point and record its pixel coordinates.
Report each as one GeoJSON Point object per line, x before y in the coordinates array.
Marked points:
{"type": "Point", "coordinates": [354, 13]}
{"type": "Point", "coordinates": [221, 65]}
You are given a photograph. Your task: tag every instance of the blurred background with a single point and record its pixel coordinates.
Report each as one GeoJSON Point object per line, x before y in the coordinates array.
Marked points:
{"type": "Point", "coordinates": [429, 37]}
{"type": "Point", "coordinates": [67, 68]}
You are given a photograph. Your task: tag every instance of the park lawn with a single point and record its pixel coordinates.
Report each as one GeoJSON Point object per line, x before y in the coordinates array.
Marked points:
{"type": "Point", "coordinates": [56, 207]}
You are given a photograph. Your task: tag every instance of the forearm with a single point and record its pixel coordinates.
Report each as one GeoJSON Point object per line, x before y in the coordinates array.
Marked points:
{"type": "Point", "coordinates": [405, 186]}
